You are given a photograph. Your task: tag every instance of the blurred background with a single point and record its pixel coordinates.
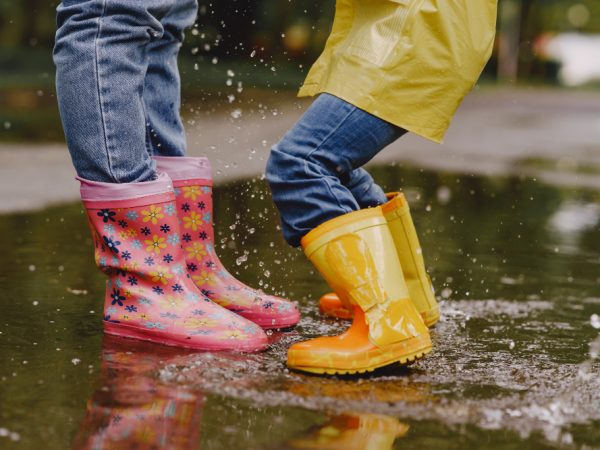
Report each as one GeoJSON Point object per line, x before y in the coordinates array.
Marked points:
{"type": "Point", "coordinates": [535, 110]}
{"type": "Point", "coordinates": [508, 210]}
{"type": "Point", "coordinates": [269, 45]}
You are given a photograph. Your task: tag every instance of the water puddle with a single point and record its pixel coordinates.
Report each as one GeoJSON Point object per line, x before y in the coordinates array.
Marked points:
{"type": "Point", "coordinates": [516, 267]}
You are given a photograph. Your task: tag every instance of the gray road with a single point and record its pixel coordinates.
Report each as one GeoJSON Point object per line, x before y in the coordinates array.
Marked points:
{"type": "Point", "coordinates": [548, 134]}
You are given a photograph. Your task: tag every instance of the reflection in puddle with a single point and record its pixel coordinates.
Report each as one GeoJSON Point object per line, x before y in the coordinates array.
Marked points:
{"type": "Point", "coordinates": [131, 409]}
{"type": "Point", "coordinates": [353, 431]}
{"type": "Point", "coordinates": [575, 217]}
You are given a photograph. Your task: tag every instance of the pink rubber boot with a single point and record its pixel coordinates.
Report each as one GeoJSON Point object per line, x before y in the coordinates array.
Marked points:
{"type": "Point", "coordinates": [149, 294]}
{"type": "Point", "coordinates": [193, 189]}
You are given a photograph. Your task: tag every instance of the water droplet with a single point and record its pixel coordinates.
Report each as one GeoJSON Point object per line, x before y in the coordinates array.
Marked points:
{"type": "Point", "coordinates": [444, 194]}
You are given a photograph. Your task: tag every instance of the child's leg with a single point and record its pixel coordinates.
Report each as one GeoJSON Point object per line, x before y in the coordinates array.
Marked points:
{"type": "Point", "coordinates": [162, 87]}
{"type": "Point", "coordinates": [311, 170]}
{"type": "Point", "coordinates": [313, 177]}
{"type": "Point", "coordinates": [364, 189]}
{"type": "Point", "coordinates": [192, 180]}
{"type": "Point", "coordinates": [101, 60]}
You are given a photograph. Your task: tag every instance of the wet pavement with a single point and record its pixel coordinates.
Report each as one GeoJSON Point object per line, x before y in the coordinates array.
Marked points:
{"type": "Point", "coordinates": [549, 134]}
{"type": "Point", "coordinates": [516, 266]}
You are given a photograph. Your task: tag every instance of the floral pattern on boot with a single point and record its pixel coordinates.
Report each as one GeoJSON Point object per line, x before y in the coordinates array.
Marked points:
{"type": "Point", "coordinates": [149, 293]}
{"type": "Point", "coordinates": [195, 208]}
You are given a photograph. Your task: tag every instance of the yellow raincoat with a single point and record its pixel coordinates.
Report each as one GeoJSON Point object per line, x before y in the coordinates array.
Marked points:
{"type": "Point", "coordinates": [409, 62]}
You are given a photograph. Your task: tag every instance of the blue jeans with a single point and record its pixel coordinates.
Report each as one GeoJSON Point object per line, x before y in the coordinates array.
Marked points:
{"type": "Point", "coordinates": [118, 84]}
{"type": "Point", "coordinates": [315, 171]}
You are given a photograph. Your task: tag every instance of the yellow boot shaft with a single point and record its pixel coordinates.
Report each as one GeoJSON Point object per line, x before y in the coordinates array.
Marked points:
{"type": "Point", "coordinates": [397, 214]}
{"type": "Point", "coordinates": [356, 255]}
{"type": "Point", "coordinates": [404, 234]}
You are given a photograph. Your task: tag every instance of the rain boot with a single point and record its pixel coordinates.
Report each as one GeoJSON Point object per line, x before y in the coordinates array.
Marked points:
{"type": "Point", "coordinates": [397, 214]}
{"type": "Point", "coordinates": [149, 295]}
{"type": "Point", "coordinates": [193, 188]}
{"type": "Point", "coordinates": [355, 254]}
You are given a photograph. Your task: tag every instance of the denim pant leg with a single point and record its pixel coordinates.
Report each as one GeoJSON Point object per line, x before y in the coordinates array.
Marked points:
{"type": "Point", "coordinates": [365, 191]}
{"type": "Point", "coordinates": [101, 61]}
{"type": "Point", "coordinates": [308, 167]}
{"type": "Point", "coordinates": [162, 87]}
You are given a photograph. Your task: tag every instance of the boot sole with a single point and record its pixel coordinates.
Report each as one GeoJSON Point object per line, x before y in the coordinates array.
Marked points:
{"type": "Point", "coordinates": [141, 334]}
{"type": "Point", "coordinates": [404, 359]}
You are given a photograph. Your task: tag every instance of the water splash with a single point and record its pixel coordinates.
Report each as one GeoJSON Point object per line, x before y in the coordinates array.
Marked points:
{"type": "Point", "coordinates": [473, 378]}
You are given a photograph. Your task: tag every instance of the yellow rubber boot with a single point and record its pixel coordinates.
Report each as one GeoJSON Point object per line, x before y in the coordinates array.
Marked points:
{"type": "Point", "coordinates": [397, 214]}
{"type": "Point", "coordinates": [356, 256]}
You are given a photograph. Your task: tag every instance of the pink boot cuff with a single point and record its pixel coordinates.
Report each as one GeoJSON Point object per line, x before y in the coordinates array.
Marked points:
{"type": "Point", "coordinates": [98, 194]}
{"type": "Point", "coordinates": [185, 169]}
